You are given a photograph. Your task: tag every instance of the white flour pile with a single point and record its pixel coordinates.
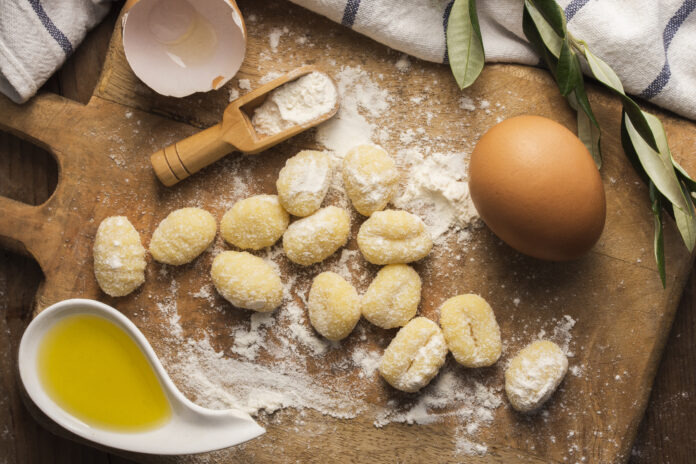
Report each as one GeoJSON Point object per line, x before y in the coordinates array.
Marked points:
{"type": "Point", "coordinates": [295, 103]}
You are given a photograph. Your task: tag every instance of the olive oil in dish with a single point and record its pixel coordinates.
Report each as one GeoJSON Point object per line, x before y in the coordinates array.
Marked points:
{"type": "Point", "coordinates": [95, 371]}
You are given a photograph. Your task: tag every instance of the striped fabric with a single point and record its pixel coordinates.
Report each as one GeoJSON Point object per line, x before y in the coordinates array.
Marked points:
{"type": "Point", "coordinates": [36, 36]}
{"type": "Point", "coordinates": [651, 44]}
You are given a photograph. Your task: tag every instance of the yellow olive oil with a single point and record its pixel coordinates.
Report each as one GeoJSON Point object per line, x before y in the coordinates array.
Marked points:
{"type": "Point", "coordinates": [95, 371]}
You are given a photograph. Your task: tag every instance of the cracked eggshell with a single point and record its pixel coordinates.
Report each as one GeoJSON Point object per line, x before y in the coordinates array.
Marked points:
{"type": "Point", "coordinates": [179, 47]}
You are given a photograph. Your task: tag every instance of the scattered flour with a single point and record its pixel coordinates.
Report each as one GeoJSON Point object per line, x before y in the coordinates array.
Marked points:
{"type": "Point", "coordinates": [361, 97]}
{"type": "Point", "coordinates": [438, 190]}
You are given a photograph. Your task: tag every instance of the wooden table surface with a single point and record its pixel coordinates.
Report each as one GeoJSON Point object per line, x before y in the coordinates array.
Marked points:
{"type": "Point", "coordinates": [29, 174]}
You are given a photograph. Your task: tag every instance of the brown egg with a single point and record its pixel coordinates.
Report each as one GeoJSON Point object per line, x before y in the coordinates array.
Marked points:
{"type": "Point", "coordinates": [536, 186]}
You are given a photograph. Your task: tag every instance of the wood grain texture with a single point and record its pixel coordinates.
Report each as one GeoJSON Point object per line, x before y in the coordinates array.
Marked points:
{"type": "Point", "coordinates": [408, 444]}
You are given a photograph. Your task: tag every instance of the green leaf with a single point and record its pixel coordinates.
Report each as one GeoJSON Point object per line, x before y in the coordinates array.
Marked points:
{"type": "Point", "coordinates": [464, 43]}
{"type": "Point", "coordinates": [684, 176]}
{"type": "Point", "coordinates": [553, 14]}
{"type": "Point", "coordinates": [658, 166]}
{"type": "Point", "coordinates": [532, 34]}
{"type": "Point", "coordinates": [568, 72]}
{"type": "Point", "coordinates": [659, 240]}
{"type": "Point", "coordinates": [590, 135]}
{"type": "Point", "coordinates": [602, 72]}
{"type": "Point", "coordinates": [552, 41]}
{"type": "Point", "coordinates": [631, 152]}
{"type": "Point", "coordinates": [686, 221]}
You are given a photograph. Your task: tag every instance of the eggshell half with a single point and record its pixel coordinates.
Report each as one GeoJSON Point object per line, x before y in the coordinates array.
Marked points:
{"type": "Point", "coordinates": [151, 29]}
{"type": "Point", "coordinates": [536, 186]}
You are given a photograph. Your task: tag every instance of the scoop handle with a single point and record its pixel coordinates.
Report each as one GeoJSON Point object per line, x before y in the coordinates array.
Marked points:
{"type": "Point", "coordinates": [181, 159]}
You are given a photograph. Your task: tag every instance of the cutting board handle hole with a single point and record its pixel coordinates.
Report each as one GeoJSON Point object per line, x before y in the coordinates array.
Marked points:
{"type": "Point", "coordinates": [28, 173]}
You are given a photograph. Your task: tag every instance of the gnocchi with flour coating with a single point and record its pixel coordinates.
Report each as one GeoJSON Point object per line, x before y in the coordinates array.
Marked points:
{"type": "Point", "coordinates": [333, 306]}
{"type": "Point", "coordinates": [254, 223]}
{"type": "Point", "coordinates": [119, 257]}
{"type": "Point", "coordinates": [247, 281]}
{"type": "Point", "coordinates": [414, 356]}
{"type": "Point", "coordinates": [534, 374]}
{"type": "Point", "coordinates": [392, 298]}
{"type": "Point", "coordinates": [316, 237]}
{"type": "Point", "coordinates": [370, 177]}
{"type": "Point", "coordinates": [304, 181]}
{"type": "Point", "coordinates": [183, 235]}
{"type": "Point", "coordinates": [471, 331]}
{"type": "Point", "coordinates": [394, 237]}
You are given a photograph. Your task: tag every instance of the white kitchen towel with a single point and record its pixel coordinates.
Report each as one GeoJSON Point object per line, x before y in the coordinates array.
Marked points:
{"type": "Point", "coordinates": [651, 44]}
{"type": "Point", "coordinates": [36, 36]}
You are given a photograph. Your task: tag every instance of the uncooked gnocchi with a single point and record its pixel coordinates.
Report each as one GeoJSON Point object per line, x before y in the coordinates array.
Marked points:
{"type": "Point", "coordinates": [247, 281]}
{"type": "Point", "coordinates": [119, 257]}
{"type": "Point", "coordinates": [316, 237]}
{"type": "Point", "coordinates": [184, 234]}
{"type": "Point", "coordinates": [414, 356]}
{"type": "Point", "coordinates": [534, 374]}
{"type": "Point", "coordinates": [392, 298]}
{"type": "Point", "coordinates": [370, 177]}
{"type": "Point", "coordinates": [255, 222]}
{"type": "Point", "coordinates": [303, 182]}
{"type": "Point", "coordinates": [333, 306]}
{"type": "Point", "coordinates": [393, 237]}
{"type": "Point", "coordinates": [471, 331]}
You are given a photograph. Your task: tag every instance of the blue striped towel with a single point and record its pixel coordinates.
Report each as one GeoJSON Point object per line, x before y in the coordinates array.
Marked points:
{"type": "Point", "coordinates": [36, 36]}
{"type": "Point", "coordinates": [651, 44]}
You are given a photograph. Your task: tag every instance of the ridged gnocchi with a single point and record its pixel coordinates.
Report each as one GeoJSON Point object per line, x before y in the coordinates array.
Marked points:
{"type": "Point", "coordinates": [119, 257]}
{"type": "Point", "coordinates": [183, 235]}
{"type": "Point", "coordinates": [471, 331]}
{"type": "Point", "coordinates": [370, 177]}
{"type": "Point", "coordinates": [255, 222]}
{"type": "Point", "coordinates": [247, 281]}
{"type": "Point", "coordinates": [392, 298]}
{"type": "Point", "coordinates": [316, 237]}
{"type": "Point", "coordinates": [393, 237]}
{"type": "Point", "coordinates": [333, 306]}
{"type": "Point", "coordinates": [414, 356]}
{"type": "Point", "coordinates": [303, 182]}
{"type": "Point", "coordinates": [534, 374]}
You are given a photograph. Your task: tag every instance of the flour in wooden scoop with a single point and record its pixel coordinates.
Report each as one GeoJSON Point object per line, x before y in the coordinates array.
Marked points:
{"type": "Point", "coordinates": [295, 103]}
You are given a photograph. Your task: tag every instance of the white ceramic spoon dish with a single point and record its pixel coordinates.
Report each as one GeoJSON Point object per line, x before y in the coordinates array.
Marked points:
{"type": "Point", "coordinates": [191, 428]}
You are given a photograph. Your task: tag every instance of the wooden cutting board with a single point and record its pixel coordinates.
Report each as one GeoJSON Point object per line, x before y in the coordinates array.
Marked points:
{"type": "Point", "coordinates": [623, 315]}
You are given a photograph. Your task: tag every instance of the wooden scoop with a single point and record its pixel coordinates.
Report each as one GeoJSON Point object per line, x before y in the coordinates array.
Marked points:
{"type": "Point", "coordinates": [235, 132]}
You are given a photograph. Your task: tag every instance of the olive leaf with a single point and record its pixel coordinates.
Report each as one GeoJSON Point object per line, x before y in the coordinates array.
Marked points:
{"type": "Point", "coordinates": [464, 43]}
{"type": "Point", "coordinates": [589, 134]}
{"type": "Point", "coordinates": [684, 176]}
{"type": "Point", "coordinates": [658, 167]}
{"type": "Point", "coordinates": [686, 220]}
{"type": "Point", "coordinates": [601, 71]}
{"type": "Point", "coordinates": [568, 72]}
{"type": "Point", "coordinates": [659, 240]}
{"type": "Point", "coordinates": [552, 41]}
{"type": "Point", "coordinates": [553, 15]}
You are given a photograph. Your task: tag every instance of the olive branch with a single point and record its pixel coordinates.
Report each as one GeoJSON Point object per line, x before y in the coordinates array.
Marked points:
{"type": "Point", "coordinates": [643, 136]}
